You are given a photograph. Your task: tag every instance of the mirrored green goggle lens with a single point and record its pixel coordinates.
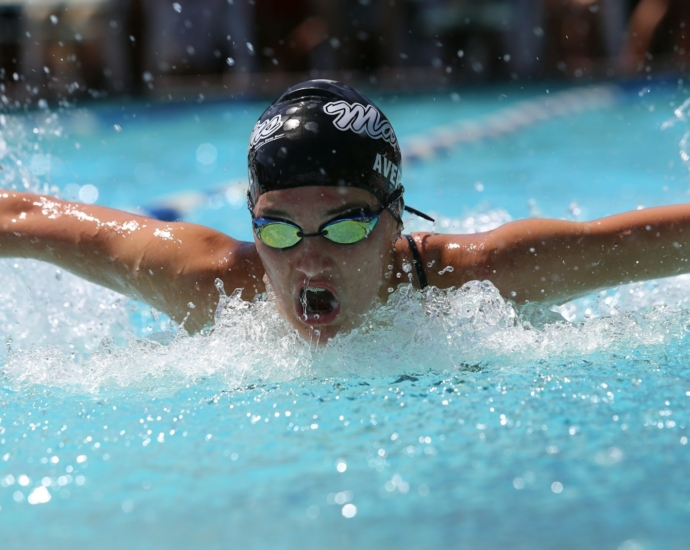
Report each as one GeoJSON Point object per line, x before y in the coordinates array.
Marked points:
{"type": "Point", "coordinates": [349, 231]}
{"type": "Point", "coordinates": [278, 235]}
{"type": "Point", "coordinates": [284, 235]}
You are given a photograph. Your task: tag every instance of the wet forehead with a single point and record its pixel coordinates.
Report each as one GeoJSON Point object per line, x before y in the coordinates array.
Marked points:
{"type": "Point", "coordinates": [315, 201]}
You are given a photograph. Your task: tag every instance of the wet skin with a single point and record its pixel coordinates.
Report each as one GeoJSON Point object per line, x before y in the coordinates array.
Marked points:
{"type": "Point", "coordinates": [174, 267]}
{"type": "Point", "coordinates": [356, 274]}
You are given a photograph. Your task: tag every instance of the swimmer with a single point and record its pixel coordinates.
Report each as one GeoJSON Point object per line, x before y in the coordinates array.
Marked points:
{"type": "Point", "coordinates": [326, 203]}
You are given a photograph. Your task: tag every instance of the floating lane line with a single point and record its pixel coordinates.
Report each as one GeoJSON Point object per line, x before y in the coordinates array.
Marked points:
{"type": "Point", "coordinates": [441, 140]}
{"type": "Point", "coordinates": [178, 206]}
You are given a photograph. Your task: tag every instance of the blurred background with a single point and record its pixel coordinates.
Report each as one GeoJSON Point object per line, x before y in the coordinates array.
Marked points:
{"type": "Point", "coordinates": [76, 49]}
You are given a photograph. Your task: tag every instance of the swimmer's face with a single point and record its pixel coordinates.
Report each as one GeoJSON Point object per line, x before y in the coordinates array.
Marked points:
{"type": "Point", "coordinates": [320, 285]}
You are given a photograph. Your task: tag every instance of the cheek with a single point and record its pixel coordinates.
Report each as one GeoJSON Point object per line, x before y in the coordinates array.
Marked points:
{"type": "Point", "coordinates": [274, 262]}
{"type": "Point", "coordinates": [367, 262]}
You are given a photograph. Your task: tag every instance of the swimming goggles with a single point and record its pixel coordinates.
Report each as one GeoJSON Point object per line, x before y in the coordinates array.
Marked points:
{"type": "Point", "coordinates": [283, 234]}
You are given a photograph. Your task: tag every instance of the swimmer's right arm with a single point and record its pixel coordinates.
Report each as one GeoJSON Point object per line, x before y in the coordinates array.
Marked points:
{"type": "Point", "coordinates": [171, 266]}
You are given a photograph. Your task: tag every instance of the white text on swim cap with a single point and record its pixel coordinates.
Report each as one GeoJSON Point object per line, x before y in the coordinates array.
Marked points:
{"type": "Point", "coordinates": [265, 129]}
{"type": "Point", "coordinates": [388, 169]}
{"type": "Point", "coordinates": [360, 119]}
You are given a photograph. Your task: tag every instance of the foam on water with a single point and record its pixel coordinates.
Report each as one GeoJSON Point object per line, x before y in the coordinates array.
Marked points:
{"type": "Point", "coordinates": [446, 416]}
{"type": "Point", "coordinates": [63, 332]}
{"type": "Point", "coordinates": [60, 331]}
{"type": "Point", "coordinates": [24, 158]}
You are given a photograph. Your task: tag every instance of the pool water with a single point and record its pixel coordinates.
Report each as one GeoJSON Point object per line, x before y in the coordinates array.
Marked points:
{"type": "Point", "coordinates": [448, 419]}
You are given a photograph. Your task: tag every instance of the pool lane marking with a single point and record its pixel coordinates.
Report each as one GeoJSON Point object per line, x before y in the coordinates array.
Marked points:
{"type": "Point", "coordinates": [441, 140]}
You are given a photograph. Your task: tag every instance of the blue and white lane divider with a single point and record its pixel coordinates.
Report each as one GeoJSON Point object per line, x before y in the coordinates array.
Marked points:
{"type": "Point", "coordinates": [441, 140]}
{"type": "Point", "coordinates": [437, 142]}
{"type": "Point", "coordinates": [178, 206]}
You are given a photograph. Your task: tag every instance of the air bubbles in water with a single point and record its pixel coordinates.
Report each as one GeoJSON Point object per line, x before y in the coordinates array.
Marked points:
{"type": "Point", "coordinates": [206, 154]}
{"type": "Point", "coordinates": [57, 346]}
{"type": "Point", "coordinates": [88, 193]}
{"type": "Point", "coordinates": [40, 495]}
{"type": "Point", "coordinates": [39, 165]}
{"type": "Point", "coordinates": [681, 114]}
{"type": "Point", "coordinates": [436, 329]}
{"type": "Point", "coordinates": [220, 287]}
{"type": "Point", "coordinates": [71, 192]}
{"type": "Point", "coordinates": [349, 511]}
{"type": "Point", "coordinates": [177, 7]}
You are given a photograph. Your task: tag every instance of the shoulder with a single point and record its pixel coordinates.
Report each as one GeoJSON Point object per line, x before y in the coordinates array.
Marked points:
{"type": "Point", "coordinates": [183, 266]}
{"type": "Point", "coordinates": [447, 259]}
{"type": "Point", "coordinates": [214, 255]}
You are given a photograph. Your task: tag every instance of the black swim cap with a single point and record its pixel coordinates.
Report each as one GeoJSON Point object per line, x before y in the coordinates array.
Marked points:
{"type": "Point", "coordinates": [322, 132]}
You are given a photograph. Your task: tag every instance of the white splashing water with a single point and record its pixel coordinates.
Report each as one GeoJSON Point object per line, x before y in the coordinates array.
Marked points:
{"type": "Point", "coordinates": [21, 140]}
{"type": "Point", "coordinates": [62, 332]}
{"type": "Point", "coordinates": [93, 345]}
{"type": "Point", "coordinates": [681, 114]}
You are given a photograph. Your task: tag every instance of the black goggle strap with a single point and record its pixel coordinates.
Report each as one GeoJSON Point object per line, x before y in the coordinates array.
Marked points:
{"type": "Point", "coordinates": [394, 196]}
{"type": "Point", "coordinates": [420, 214]}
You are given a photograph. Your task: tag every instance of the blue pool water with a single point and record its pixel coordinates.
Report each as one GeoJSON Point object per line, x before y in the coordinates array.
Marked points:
{"type": "Point", "coordinates": [447, 420]}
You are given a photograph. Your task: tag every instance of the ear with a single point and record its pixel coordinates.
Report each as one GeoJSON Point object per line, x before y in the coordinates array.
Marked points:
{"type": "Point", "coordinates": [397, 232]}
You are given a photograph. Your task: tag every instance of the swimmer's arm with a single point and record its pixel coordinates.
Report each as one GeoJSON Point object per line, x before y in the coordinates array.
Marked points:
{"type": "Point", "coordinates": [167, 265]}
{"type": "Point", "coordinates": [553, 261]}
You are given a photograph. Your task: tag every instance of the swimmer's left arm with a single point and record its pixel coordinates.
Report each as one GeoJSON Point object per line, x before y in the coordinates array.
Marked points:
{"type": "Point", "coordinates": [553, 261]}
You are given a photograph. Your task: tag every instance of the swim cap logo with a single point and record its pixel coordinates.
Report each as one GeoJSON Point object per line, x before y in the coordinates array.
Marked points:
{"type": "Point", "coordinates": [388, 169]}
{"type": "Point", "coordinates": [360, 119]}
{"type": "Point", "coordinates": [265, 129]}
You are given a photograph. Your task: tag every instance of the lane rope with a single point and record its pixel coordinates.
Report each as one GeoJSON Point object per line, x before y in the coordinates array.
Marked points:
{"type": "Point", "coordinates": [441, 140]}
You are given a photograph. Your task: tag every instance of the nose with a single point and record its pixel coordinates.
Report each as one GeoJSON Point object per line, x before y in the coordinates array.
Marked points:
{"type": "Point", "coordinates": [312, 257]}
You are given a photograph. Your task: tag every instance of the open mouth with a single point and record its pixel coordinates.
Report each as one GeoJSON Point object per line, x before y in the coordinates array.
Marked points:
{"type": "Point", "coordinates": [317, 304]}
